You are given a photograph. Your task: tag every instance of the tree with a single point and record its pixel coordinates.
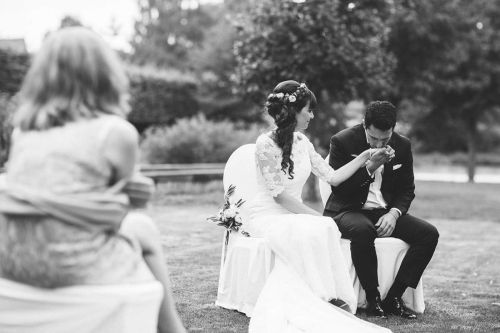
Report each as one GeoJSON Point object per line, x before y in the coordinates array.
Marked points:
{"type": "Point", "coordinates": [167, 30]}
{"type": "Point", "coordinates": [337, 47]}
{"type": "Point", "coordinates": [70, 21]}
{"type": "Point", "coordinates": [448, 56]}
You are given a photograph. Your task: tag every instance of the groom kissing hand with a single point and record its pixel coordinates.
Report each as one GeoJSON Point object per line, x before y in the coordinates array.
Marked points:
{"type": "Point", "coordinates": [374, 202]}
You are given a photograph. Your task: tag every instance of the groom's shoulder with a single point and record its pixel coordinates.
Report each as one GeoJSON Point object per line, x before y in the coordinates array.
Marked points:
{"type": "Point", "coordinates": [348, 133]}
{"type": "Point", "coordinates": [401, 138]}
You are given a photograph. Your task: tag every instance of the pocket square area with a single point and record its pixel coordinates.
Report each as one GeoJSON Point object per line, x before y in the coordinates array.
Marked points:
{"type": "Point", "coordinates": [396, 166]}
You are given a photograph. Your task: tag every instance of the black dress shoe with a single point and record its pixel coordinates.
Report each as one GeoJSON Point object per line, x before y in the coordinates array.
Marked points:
{"type": "Point", "coordinates": [396, 306]}
{"type": "Point", "coordinates": [375, 309]}
{"type": "Point", "coordinates": [340, 303]}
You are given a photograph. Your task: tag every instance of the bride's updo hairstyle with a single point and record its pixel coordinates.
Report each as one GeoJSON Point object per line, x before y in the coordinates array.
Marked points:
{"type": "Point", "coordinates": [283, 104]}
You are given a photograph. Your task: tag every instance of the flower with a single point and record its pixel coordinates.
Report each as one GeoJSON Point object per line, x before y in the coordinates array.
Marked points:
{"type": "Point", "coordinates": [292, 98]}
{"type": "Point", "coordinates": [230, 213]}
{"type": "Point", "coordinates": [280, 95]}
{"type": "Point", "coordinates": [227, 216]}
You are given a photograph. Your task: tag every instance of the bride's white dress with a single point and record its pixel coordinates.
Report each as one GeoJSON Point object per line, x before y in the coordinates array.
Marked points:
{"type": "Point", "coordinates": [310, 268]}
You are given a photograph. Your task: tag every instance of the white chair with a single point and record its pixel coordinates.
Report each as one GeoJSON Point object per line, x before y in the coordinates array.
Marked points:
{"type": "Point", "coordinates": [247, 261]}
{"type": "Point", "coordinates": [127, 308]}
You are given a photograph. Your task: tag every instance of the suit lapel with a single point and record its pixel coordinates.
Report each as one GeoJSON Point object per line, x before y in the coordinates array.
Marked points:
{"type": "Point", "coordinates": [389, 165]}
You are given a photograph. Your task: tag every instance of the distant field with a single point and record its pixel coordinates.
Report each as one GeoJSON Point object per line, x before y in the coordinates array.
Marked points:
{"type": "Point", "coordinates": [462, 283]}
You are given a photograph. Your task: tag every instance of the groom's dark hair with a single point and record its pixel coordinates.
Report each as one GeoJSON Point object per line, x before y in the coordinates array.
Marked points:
{"type": "Point", "coordinates": [380, 114]}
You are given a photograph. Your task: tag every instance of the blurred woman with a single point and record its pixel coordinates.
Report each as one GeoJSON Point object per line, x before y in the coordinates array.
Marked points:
{"type": "Point", "coordinates": [70, 177]}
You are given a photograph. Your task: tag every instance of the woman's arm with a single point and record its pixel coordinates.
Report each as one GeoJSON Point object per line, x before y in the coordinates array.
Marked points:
{"type": "Point", "coordinates": [323, 170]}
{"type": "Point", "coordinates": [121, 149]}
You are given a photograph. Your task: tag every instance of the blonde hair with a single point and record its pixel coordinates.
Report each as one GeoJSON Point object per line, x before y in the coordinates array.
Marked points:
{"type": "Point", "coordinates": [75, 75]}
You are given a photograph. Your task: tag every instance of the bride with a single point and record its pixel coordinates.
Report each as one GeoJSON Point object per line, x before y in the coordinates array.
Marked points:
{"type": "Point", "coordinates": [309, 287]}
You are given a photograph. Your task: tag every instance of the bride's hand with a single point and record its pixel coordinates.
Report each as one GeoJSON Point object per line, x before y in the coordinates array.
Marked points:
{"type": "Point", "coordinates": [367, 154]}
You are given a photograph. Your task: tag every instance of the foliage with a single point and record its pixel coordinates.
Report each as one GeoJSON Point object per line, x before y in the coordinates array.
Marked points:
{"type": "Point", "coordinates": [7, 107]}
{"type": "Point", "coordinates": [195, 140]}
{"type": "Point", "coordinates": [335, 46]}
{"type": "Point", "coordinates": [168, 30]}
{"type": "Point", "coordinates": [448, 67]}
{"type": "Point", "coordinates": [70, 21]}
{"type": "Point", "coordinates": [13, 67]}
{"type": "Point", "coordinates": [159, 97]}
{"type": "Point", "coordinates": [214, 62]}
{"type": "Point", "coordinates": [197, 39]}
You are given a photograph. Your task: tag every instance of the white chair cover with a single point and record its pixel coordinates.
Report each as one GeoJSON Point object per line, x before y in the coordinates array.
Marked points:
{"type": "Point", "coordinates": [247, 262]}
{"type": "Point", "coordinates": [127, 308]}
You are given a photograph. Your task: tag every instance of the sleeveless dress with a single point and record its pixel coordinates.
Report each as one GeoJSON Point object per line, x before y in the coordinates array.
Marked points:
{"type": "Point", "coordinates": [45, 251]}
{"type": "Point", "coordinates": [310, 268]}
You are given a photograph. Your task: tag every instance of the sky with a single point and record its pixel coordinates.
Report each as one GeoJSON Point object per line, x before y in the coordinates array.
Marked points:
{"type": "Point", "coordinates": [32, 19]}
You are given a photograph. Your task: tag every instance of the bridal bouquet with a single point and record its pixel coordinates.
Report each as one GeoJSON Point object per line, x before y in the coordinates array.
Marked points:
{"type": "Point", "coordinates": [228, 216]}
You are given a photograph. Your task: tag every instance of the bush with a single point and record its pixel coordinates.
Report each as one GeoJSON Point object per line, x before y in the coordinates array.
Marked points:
{"type": "Point", "coordinates": [195, 140]}
{"type": "Point", "coordinates": [159, 97]}
{"type": "Point", "coordinates": [7, 107]}
{"type": "Point", "coordinates": [13, 68]}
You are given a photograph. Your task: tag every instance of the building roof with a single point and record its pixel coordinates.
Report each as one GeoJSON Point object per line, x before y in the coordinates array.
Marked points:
{"type": "Point", "coordinates": [15, 45]}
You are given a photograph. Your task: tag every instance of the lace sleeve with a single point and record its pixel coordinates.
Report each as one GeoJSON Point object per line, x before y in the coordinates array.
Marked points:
{"type": "Point", "coordinates": [269, 164]}
{"type": "Point", "coordinates": [319, 166]}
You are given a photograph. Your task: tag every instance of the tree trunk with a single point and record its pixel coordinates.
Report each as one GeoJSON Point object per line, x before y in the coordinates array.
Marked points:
{"type": "Point", "coordinates": [471, 150]}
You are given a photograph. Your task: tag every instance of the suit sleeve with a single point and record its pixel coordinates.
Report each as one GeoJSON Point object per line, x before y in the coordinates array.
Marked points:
{"type": "Point", "coordinates": [338, 158]}
{"type": "Point", "coordinates": [405, 188]}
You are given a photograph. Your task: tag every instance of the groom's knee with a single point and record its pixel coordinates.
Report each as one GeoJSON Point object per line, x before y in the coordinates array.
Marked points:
{"type": "Point", "coordinates": [432, 235]}
{"type": "Point", "coordinates": [363, 233]}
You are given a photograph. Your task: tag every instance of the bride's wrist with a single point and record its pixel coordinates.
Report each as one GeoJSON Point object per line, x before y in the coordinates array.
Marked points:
{"type": "Point", "coordinates": [367, 155]}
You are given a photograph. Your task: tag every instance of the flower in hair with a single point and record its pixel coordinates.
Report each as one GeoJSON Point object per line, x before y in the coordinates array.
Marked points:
{"type": "Point", "coordinates": [280, 95]}
{"type": "Point", "coordinates": [292, 98]}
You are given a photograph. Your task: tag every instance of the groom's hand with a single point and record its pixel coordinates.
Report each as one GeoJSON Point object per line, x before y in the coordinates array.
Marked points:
{"type": "Point", "coordinates": [379, 157]}
{"type": "Point", "coordinates": [386, 224]}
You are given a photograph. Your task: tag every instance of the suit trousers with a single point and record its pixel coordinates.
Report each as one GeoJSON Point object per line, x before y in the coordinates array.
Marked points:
{"type": "Point", "coordinates": [359, 227]}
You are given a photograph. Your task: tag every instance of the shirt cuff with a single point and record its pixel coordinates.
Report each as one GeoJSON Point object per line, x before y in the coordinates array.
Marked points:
{"type": "Point", "coordinates": [397, 211]}
{"type": "Point", "coordinates": [369, 173]}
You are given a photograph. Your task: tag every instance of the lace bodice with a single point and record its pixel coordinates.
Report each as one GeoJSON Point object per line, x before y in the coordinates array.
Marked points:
{"type": "Point", "coordinates": [304, 156]}
{"type": "Point", "coordinates": [271, 180]}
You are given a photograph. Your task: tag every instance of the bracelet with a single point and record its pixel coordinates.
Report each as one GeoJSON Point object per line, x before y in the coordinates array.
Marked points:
{"type": "Point", "coordinates": [394, 213]}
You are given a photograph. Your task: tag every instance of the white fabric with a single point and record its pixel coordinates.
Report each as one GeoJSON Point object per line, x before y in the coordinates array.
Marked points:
{"type": "Point", "coordinates": [249, 262]}
{"type": "Point", "coordinates": [310, 267]}
{"type": "Point", "coordinates": [375, 198]}
{"type": "Point", "coordinates": [127, 308]}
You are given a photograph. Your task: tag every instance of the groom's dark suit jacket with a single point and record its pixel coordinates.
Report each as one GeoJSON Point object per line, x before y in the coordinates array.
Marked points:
{"type": "Point", "coordinates": [398, 187]}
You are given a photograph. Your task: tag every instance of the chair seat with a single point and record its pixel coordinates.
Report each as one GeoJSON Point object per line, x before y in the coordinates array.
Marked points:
{"type": "Point", "coordinates": [249, 261]}
{"type": "Point", "coordinates": [126, 308]}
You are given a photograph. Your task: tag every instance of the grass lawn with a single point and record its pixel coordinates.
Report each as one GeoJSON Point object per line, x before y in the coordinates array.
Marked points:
{"type": "Point", "coordinates": [461, 284]}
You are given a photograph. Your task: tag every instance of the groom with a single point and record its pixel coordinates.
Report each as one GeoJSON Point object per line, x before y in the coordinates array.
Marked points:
{"type": "Point", "coordinates": [374, 202]}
